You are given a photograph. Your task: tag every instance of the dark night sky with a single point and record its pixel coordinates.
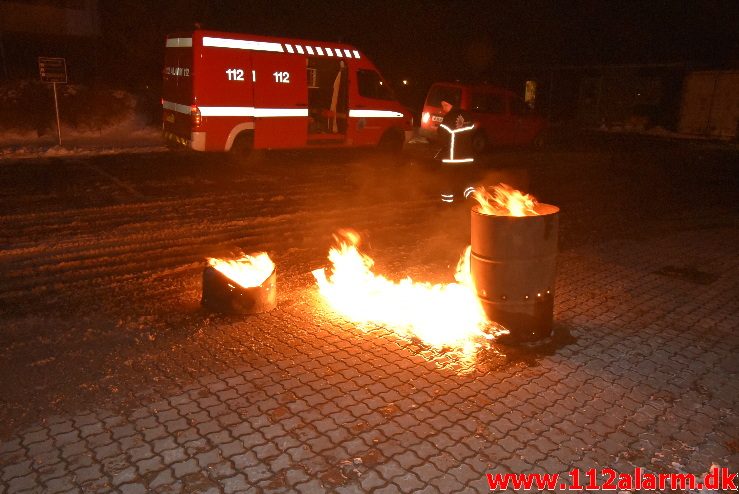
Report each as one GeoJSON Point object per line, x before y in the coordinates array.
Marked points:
{"type": "Point", "coordinates": [426, 40]}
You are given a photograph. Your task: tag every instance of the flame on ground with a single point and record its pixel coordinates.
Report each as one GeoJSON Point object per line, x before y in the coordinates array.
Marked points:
{"type": "Point", "coordinates": [443, 316]}
{"type": "Point", "coordinates": [248, 271]}
{"type": "Point", "coordinates": [505, 201]}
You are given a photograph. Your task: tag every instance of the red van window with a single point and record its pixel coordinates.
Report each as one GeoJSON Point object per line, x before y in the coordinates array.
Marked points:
{"type": "Point", "coordinates": [371, 86]}
{"type": "Point", "coordinates": [518, 107]}
{"type": "Point", "coordinates": [486, 103]}
{"type": "Point", "coordinates": [438, 94]}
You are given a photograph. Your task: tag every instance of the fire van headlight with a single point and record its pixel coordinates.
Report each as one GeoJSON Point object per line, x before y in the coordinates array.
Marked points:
{"type": "Point", "coordinates": [425, 117]}
{"type": "Point", "coordinates": [195, 115]}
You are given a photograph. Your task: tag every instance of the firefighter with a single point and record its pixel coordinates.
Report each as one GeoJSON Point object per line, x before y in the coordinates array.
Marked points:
{"type": "Point", "coordinates": [457, 160]}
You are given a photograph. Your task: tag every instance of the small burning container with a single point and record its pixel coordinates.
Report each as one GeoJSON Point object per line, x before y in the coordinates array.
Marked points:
{"type": "Point", "coordinates": [513, 260]}
{"type": "Point", "coordinates": [242, 286]}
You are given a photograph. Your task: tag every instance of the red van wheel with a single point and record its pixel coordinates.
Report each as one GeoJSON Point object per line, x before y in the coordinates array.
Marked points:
{"type": "Point", "coordinates": [242, 150]}
{"type": "Point", "coordinates": [391, 142]}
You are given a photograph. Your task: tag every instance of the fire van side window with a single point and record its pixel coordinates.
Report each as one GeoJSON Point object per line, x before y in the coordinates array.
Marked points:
{"type": "Point", "coordinates": [371, 86]}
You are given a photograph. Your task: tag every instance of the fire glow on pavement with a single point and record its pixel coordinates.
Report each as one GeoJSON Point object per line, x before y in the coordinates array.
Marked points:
{"type": "Point", "coordinates": [444, 316]}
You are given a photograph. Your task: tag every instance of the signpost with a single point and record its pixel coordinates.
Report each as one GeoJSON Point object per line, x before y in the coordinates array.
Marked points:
{"type": "Point", "coordinates": [54, 71]}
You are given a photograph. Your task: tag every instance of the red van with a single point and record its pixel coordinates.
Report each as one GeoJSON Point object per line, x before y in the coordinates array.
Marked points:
{"type": "Point", "coordinates": [230, 91]}
{"type": "Point", "coordinates": [502, 118]}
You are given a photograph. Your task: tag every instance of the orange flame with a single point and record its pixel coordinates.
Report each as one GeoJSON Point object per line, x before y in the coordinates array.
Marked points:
{"type": "Point", "coordinates": [440, 315]}
{"type": "Point", "coordinates": [248, 271]}
{"type": "Point", "coordinates": [505, 201]}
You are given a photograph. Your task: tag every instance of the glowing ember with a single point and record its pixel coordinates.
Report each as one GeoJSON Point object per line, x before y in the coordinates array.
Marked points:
{"type": "Point", "coordinates": [248, 271]}
{"type": "Point", "coordinates": [441, 315]}
{"type": "Point", "coordinates": [505, 201]}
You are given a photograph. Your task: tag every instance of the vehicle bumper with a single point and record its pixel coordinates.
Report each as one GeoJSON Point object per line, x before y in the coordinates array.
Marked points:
{"type": "Point", "coordinates": [195, 142]}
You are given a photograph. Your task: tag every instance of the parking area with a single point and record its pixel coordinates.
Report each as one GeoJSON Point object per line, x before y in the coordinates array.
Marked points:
{"type": "Point", "coordinates": [115, 379]}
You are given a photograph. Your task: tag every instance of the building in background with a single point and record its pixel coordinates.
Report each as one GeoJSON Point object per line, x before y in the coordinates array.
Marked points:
{"type": "Point", "coordinates": [678, 97]}
{"type": "Point", "coordinates": [710, 104]}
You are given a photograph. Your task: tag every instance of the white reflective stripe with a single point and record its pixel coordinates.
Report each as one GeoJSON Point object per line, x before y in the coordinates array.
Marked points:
{"type": "Point", "coordinates": [465, 160]}
{"type": "Point", "coordinates": [289, 48]}
{"type": "Point", "coordinates": [280, 112]}
{"type": "Point", "coordinates": [170, 105]}
{"type": "Point", "coordinates": [242, 44]}
{"type": "Point", "coordinates": [348, 53]}
{"type": "Point", "coordinates": [227, 111]}
{"type": "Point", "coordinates": [319, 50]}
{"type": "Point", "coordinates": [250, 111]}
{"type": "Point", "coordinates": [447, 195]}
{"type": "Point", "coordinates": [356, 54]}
{"type": "Point", "coordinates": [374, 114]}
{"type": "Point", "coordinates": [455, 131]}
{"type": "Point", "coordinates": [329, 52]}
{"type": "Point", "coordinates": [300, 49]}
{"type": "Point", "coordinates": [309, 49]}
{"type": "Point", "coordinates": [468, 191]}
{"type": "Point", "coordinates": [179, 42]}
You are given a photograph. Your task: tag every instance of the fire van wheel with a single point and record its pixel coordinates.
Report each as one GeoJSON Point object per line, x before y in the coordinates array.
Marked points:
{"type": "Point", "coordinates": [242, 150]}
{"type": "Point", "coordinates": [480, 143]}
{"type": "Point", "coordinates": [391, 142]}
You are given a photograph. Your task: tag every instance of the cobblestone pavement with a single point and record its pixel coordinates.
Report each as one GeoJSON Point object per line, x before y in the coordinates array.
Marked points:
{"type": "Point", "coordinates": [642, 371]}
{"type": "Point", "coordinates": [647, 378]}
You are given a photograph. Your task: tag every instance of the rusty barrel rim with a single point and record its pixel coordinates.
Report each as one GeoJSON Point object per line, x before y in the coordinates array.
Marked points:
{"type": "Point", "coordinates": [541, 208]}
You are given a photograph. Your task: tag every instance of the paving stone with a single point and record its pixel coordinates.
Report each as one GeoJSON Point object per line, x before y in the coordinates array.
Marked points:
{"type": "Point", "coordinates": [222, 469]}
{"type": "Point", "coordinates": [174, 455]}
{"type": "Point", "coordinates": [132, 489]}
{"type": "Point", "coordinates": [14, 470]}
{"type": "Point", "coordinates": [312, 486]}
{"type": "Point", "coordinates": [124, 476]}
{"type": "Point", "coordinates": [161, 480]}
{"type": "Point", "coordinates": [19, 484]}
{"type": "Point", "coordinates": [237, 483]}
{"type": "Point", "coordinates": [148, 465]}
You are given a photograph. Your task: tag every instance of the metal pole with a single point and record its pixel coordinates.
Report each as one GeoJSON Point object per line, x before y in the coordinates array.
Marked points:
{"type": "Point", "coordinates": [56, 107]}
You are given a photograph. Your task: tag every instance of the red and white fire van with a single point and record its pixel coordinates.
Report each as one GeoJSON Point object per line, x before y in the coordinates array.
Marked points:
{"type": "Point", "coordinates": [228, 91]}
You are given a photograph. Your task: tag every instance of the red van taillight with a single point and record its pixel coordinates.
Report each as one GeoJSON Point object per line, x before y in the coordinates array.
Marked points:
{"type": "Point", "coordinates": [425, 117]}
{"type": "Point", "coordinates": [195, 115]}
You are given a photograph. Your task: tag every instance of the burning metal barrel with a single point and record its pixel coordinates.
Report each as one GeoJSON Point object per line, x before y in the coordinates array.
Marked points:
{"type": "Point", "coordinates": [513, 264]}
{"type": "Point", "coordinates": [243, 286]}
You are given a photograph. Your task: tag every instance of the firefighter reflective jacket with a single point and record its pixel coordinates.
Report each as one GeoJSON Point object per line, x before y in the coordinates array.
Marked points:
{"type": "Point", "coordinates": [455, 131]}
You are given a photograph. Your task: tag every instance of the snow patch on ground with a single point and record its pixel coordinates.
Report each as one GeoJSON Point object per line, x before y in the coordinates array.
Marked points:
{"type": "Point", "coordinates": [130, 136]}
